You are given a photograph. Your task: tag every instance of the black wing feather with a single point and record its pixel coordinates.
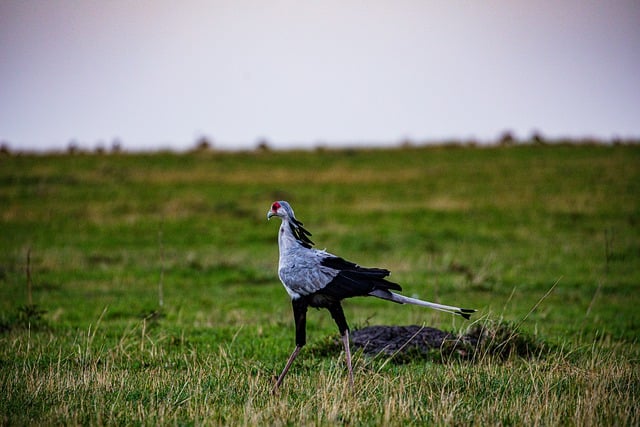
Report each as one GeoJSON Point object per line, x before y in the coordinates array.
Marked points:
{"type": "Point", "coordinates": [353, 280]}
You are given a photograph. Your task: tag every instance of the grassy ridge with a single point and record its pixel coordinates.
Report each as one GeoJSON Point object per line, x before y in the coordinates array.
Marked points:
{"type": "Point", "coordinates": [162, 304]}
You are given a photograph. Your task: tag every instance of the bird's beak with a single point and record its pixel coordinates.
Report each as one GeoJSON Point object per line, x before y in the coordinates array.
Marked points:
{"type": "Point", "coordinates": [270, 214]}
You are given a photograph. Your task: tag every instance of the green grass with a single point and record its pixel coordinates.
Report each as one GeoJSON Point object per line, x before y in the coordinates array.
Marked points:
{"type": "Point", "coordinates": [153, 295]}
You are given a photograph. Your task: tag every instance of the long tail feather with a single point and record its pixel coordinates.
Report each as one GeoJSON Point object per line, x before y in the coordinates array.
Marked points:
{"type": "Point", "coordinates": [401, 299]}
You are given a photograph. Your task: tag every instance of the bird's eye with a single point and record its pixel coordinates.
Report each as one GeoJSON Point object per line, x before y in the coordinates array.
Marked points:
{"type": "Point", "coordinates": [275, 206]}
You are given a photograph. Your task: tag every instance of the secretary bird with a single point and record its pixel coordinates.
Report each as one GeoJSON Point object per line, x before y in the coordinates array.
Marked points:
{"type": "Point", "coordinates": [315, 278]}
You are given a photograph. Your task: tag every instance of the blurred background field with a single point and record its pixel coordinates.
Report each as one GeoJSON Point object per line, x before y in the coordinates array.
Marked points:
{"type": "Point", "coordinates": [146, 263]}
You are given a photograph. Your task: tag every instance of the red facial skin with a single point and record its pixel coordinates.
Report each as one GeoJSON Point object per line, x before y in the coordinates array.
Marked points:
{"type": "Point", "coordinates": [275, 207]}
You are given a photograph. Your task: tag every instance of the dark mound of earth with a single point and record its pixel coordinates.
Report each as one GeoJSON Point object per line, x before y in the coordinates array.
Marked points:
{"type": "Point", "coordinates": [406, 343]}
{"type": "Point", "coordinates": [408, 340]}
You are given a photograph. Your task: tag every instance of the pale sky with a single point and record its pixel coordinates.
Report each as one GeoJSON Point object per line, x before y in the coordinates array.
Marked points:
{"type": "Point", "coordinates": [157, 73]}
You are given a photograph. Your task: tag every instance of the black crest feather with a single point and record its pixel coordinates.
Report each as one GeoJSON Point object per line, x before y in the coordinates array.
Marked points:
{"type": "Point", "coordinates": [301, 233]}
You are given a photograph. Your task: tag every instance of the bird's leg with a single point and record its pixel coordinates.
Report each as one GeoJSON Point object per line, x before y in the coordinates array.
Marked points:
{"type": "Point", "coordinates": [347, 351]}
{"type": "Point", "coordinates": [286, 369]}
{"type": "Point", "coordinates": [338, 315]}
{"type": "Point", "coordinates": [300, 318]}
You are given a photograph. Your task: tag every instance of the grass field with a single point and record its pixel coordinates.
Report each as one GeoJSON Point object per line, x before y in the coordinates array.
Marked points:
{"type": "Point", "coordinates": [142, 288]}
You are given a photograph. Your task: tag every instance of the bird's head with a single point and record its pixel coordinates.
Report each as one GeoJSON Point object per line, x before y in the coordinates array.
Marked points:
{"type": "Point", "coordinates": [283, 210]}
